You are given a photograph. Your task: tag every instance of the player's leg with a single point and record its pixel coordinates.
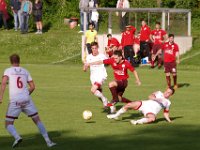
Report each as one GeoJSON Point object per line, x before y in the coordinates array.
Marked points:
{"type": "Point", "coordinates": [12, 114]}
{"type": "Point", "coordinates": [113, 89]}
{"type": "Point", "coordinates": [174, 74]}
{"type": "Point", "coordinates": [167, 74]}
{"type": "Point", "coordinates": [150, 117]}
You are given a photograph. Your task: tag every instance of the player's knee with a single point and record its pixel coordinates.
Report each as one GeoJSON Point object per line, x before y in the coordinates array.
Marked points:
{"type": "Point", "coordinates": [111, 84]}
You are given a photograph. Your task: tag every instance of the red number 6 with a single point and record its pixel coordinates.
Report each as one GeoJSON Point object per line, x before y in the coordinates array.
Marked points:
{"type": "Point", "coordinates": [19, 83]}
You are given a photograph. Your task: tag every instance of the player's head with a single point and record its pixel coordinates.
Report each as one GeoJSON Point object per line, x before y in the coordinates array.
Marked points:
{"type": "Point", "coordinates": [15, 59]}
{"type": "Point", "coordinates": [91, 25]}
{"type": "Point", "coordinates": [94, 47]}
{"type": "Point", "coordinates": [143, 22]}
{"type": "Point", "coordinates": [128, 27]}
{"type": "Point", "coordinates": [157, 25]}
{"type": "Point", "coordinates": [171, 38]}
{"type": "Point", "coordinates": [117, 55]}
{"type": "Point", "coordinates": [109, 36]}
{"type": "Point", "coordinates": [169, 92]}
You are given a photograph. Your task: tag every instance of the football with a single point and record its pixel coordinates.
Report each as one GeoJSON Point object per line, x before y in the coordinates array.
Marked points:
{"type": "Point", "coordinates": [87, 115]}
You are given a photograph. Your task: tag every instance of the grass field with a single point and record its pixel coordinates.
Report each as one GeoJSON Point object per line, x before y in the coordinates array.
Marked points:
{"type": "Point", "coordinates": [63, 92]}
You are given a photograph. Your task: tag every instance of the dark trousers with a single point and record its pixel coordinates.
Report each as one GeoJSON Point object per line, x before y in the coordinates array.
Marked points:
{"type": "Point", "coordinates": [3, 19]}
{"type": "Point", "coordinates": [123, 21]}
{"type": "Point", "coordinates": [88, 45]}
{"type": "Point", "coordinates": [128, 54]}
{"type": "Point", "coordinates": [144, 49]}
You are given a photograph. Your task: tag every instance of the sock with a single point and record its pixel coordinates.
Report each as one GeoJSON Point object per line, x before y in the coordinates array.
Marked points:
{"type": "Point", "coordinates": [142, 121]}
{"type": "Point", "coordinates": [11, 129]}
{"type": "Point", "coordinates": [121, 111]}
{"type": "Point", "coordinates": [100, 95]}
{"type": "Point", "coordinates": [125, 100]}
{"type": "Point", "coordinates": [168, 81]}
{"type": "Point", "coordinates": [113, 91]}
{"type": "Point", "coordinates": [175, 79]}
{"type": "Point", "coordinates": [43, 131]}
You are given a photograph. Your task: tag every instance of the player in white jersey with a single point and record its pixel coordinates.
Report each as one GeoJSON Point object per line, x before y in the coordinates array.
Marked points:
{"type": "Point", "coordinates": [21, 86]}
{"type": "Point", "coordinates": [98, 73]}
{"type": "Point", "coordinates": [150, 108]}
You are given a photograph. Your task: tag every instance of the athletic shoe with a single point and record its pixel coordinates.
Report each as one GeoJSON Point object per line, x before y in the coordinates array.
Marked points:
{"type": "Point", "coordinates": [134, 122]}
{"type": "Point", "coordinates": [51, 144]}
{"type": "Point", "coordinates": [112, 116]}
{"type": "Point", "coordinates": [17, 142]}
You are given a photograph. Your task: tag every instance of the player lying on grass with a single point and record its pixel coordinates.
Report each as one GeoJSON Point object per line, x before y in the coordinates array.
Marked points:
{"type": "Point", "coordinates": [149, 108]}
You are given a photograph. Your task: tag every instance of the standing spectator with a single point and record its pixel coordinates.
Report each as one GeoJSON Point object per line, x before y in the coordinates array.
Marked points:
{"type": "Point", "coordinates": [3, 13]}
{"type": "Point", "coordinates": [26, 10]}
{"type": "Point", "coordinates": [158, 37]}
{"type": "Point", "coordinates": [90, 36]}
{"type": "Point", "coordinates": [37, 12]}
{"type": "Point", "coordinates": [171, 52]}
{"type": "Point", "coordinates": [113, 45]}
{"type": "Point", "coordinates": [21, 85]}
{"type": "Point", "coordinates": [93, 14]}
{"type": "Point", "coordinates": [127, 42]}
{"type": "Point", "coordinates": [145, 32]}
{"type": "Point", "coordinates": [15, 7]}
{"type": "Point", "coordinates": [123, 16]}
{"type": "Point", "coordinates": [82, 5]}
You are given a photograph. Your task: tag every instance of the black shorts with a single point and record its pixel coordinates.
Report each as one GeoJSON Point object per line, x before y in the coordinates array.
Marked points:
{"type": "Point", "coordinates": [38, 18]}
{"type": "Point", "coordinates": [121, 86]}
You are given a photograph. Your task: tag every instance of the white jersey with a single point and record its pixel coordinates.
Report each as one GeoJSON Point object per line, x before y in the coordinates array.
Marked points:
{"type": "Point", "coordinates": [97, 71]}
{"type": "Point", "coordinates": [18, 79]}
{"type": "Point", "coordinates": [154, 106]}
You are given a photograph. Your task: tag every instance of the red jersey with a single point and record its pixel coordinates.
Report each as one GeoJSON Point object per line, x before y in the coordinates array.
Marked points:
{"type": "Point", "coordinates": [137, 40]}
{"type": "Point", "coordinates": [120, 70]}
{"type": "Point", "coordinates": [170, 51]}
{"type": "Point", "coordinates": [113, 42]}
{"type": "Point", "coordinates": [158, 35]}
{"type": "Point", "coordinates": [145, 33]}
{"type": "Point", "coordinates": [128, 37]}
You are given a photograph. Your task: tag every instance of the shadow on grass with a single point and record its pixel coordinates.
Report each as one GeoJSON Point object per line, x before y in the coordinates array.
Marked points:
{"type": "Point", "coordinates": [181, 85]}
{"type": "Point", "coordinates": [142, 137]}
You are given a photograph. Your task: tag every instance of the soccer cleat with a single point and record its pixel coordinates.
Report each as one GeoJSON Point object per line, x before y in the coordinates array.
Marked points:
{"type": "Point", "coordinates": [51, 144]}
{"type": "Point", "coordinates": [112, 109]}
{"type": "Point", "coordinates": [17, 142]}
{"type": "Point", "coordinates": [112, 116]}
{"type": "Point", "coordinates": [133, 122]}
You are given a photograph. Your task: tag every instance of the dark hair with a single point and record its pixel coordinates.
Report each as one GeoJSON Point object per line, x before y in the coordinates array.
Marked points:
{"type": "Point", "coordinates": [94, 44]}
{"type": "Point", "coordinates": [14, 59]}
{"type": "Point", "coordinates": [142, 19]}
{"type": "Point", "coordinates": [108, 35]}
{"type": "Point", "coordinates": [171, 35]}
{"type": "Point", "coordinates": [91, 23]}
{"type": "Point", "coordinates": [172, 89]}
{"type": "Point", "coordinates": [118, 53]}
{"type": "Point", "coordinates": [157, 22]}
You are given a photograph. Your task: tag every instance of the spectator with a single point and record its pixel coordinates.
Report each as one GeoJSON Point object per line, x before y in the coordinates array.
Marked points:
{"type": "Point", "coordinates": [93, 14]}
{"type": "Point", "coordinates": [90, 36]}
{"type": "Point", "coordinates": [113, 44]}
{"type": "Point", "coordinates": [83, 4]}
{"type": "Point", "coordinates": [37, 12]}
{"type": "Point", "coordinates": [158, 37]}
{"type": "Point", "coordinates": [15, 7]}
{"type": "Point", "coordinates": [3, 13]}
{"type": "Point", "coordinates": [123, 16]}
{"type": "Point", "coordinates": [136, 46]}
{"type": "Point", "coordinates": [26, 10]}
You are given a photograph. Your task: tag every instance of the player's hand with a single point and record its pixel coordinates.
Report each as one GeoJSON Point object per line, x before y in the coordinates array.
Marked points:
{"type": "Point", "coordinates": [178, 61]}
{"type": "Point", "coordinates": [138, 83]}
{"type": "Point", "coordinates": [153, 57]}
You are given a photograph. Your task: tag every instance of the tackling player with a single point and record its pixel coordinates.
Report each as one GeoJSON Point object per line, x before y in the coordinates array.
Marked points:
{"type": "Point", "coordinates": [150, 108]}
{"type": "Point", "coordinates": [98, 72]}
{"type": "Point", "coordinates": [120, 67]}
{"type": "Point", "coordinates": [21, 86]}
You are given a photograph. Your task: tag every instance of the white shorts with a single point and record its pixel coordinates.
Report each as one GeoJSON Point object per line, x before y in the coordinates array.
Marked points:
{"type": "Point", "coordinates": [97, 79]}
{"type": "Point", "coordinates": [150, 107]}
{"type": "Point", "coordinates": [15, 108]}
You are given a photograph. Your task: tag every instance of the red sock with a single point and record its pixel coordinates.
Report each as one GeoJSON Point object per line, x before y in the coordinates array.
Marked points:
{"type": "Point", "coordinates": [175, 79]}
{"type": "Point", "coordinates": [168, 81]}
{"type": "Point", "coordinates": [125, 100]}
{"type": "Point", "coordinates": [113, 91]}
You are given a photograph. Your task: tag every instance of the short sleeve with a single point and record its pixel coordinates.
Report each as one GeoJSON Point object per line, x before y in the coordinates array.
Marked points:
{"type": "Point", "coordinates": [29, 77]}
{"type": "Point", "coordinates": [129, 66]}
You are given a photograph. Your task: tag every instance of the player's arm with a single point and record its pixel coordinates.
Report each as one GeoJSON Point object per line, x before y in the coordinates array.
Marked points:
{"type": "Point", "coordinates": [31, 87]}
{"type": "Point", "coordinates": [166, 115]}
{"type": "Point", "coordinates": [158, 52]}
{"type": "Point", "coordinates": [177, 57]}
{"type": "Point", "coordinates": [3, 87]}
{"type": "Point", "coordinates": [94, 63]}
{"type": "Point", "coordinates": [137, 77]}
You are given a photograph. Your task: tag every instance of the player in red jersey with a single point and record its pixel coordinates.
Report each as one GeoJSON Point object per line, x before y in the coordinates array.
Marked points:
{"type": "Point", "coordinates": [127, 42]}
{"type": "Point", "coordinates": [158, 37]}
{"type": "Point", "coordinates": [120, 68]}
{"type": "Point", "coordinates": [171, 56]}
{"type": "Point", "coordinates": [113, 44]}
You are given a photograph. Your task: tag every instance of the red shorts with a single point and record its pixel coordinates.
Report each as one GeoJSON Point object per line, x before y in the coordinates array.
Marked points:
{"type": "Point", "coordinates": [122, 84]}
{"type": "Point", "coordinates": [170, 67]}
{"type": "Point", "coordinates": [156, 47]}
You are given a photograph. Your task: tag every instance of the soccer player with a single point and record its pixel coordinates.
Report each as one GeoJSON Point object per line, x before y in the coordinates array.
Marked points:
{"type": "Point", "coordinates": [171, 57]}
{"type": "Point", "coordinates": [120, 67]}
{"type": "Point", "coordinates": [98, 73]}
{"type": "Point", "coordinates": [150, 108]}
{"type": "Point", "coordinates": [158, 37]}
{"type": "Point", "coordinates": [21, 86]}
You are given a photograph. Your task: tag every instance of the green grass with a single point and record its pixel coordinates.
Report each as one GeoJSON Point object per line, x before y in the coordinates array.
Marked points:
{"type": "Point", "coordinates": [63, 92]}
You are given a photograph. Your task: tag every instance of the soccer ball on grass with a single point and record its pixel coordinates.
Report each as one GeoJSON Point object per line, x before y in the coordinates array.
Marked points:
{"type": "Point", "coordinates": [87, 114]}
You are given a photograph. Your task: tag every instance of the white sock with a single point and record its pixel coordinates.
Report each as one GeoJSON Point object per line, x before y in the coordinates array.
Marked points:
{"type": "Point", "coordinates": [121, 111]}
{"type": "Point", "coordinates": [43, 131]}
{"type": "Point", "coordinates": [11, 129]}
{"type": "Point", "coordinates": [100, 95]}
{"type": "Point", "coordinates": [142, 121]}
